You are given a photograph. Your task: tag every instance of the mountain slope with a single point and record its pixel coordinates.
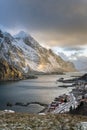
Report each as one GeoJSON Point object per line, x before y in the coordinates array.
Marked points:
{"type": "Point", "coordinates": [8, 72]}
{"type": "Point", "coordinates": [26, 54]}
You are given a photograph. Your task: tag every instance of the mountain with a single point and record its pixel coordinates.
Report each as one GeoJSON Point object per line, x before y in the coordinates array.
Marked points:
{"type": "Point", "coordinates": [79, 59]}
{"type": "Point", "coordinates": [80, 63]}
{"type": "Point", "coordinates": [9, 72]}
{"type": "Point", "coordinates": [26, 55]}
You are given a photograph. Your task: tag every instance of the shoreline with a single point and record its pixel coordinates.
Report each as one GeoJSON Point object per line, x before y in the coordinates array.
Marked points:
{"type": "Point", "coordinates": [19, 79]}
{"type": "Point", "coordinates": [10, 105]}
{"type": "Point", "coordinates": [28, 103]}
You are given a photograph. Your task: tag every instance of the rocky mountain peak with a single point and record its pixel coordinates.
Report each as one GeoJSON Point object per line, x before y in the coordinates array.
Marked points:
{"type": "Point", "coordinates": [21, 34]}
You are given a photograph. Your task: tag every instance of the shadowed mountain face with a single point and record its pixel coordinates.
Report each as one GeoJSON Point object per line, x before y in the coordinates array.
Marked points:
{"type": "Point", "coordinates": [25, 54]}
{"type": "Point", "coordinates": [9, 72]}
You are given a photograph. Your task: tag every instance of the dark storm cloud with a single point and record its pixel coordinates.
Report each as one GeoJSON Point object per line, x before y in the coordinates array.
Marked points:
{"type": "Point", "coordinates": [59, 22]}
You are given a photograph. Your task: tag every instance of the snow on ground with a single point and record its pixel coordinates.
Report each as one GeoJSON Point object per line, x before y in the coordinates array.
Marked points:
{"type": "Point", "coordinates": [9, 111]}
{"type": "Point", "coordinates": [27, 50]}
{"type": "Point", "coordinates": [82, 126]}
{"type": "Point", "coordinates": [21, 34]}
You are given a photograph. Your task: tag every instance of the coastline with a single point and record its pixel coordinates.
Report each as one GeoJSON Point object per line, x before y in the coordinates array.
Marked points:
{"type": "Point", "coordinates": [18, 79]}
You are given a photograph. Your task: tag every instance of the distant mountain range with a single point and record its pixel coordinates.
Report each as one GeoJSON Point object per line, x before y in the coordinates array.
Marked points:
{"type": "Point", "coordinates": [22, 54]}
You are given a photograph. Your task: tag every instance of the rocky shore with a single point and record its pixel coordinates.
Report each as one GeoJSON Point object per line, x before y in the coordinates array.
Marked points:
{"type": "Point", "coordinates": [23, 121]}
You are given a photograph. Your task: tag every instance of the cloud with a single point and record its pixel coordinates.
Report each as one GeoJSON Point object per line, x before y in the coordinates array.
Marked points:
{"type": "Point", "coordinates": [80, 49]}
{"type": "Point", "coordinates": [77, 56]}
{"type": "Point", "coordinates": [53, 22]}
{"type": "Point", "coordinates": [80, 62]}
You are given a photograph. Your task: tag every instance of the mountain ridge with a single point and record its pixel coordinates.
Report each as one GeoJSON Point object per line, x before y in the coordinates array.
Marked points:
{"type": "Point", "coordinates": [26, 55]}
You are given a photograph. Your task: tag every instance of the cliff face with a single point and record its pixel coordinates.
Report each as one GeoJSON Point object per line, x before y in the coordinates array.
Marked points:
{"type": "Point", "coordinates": [8, 72]}
{"type": "Point", "coordinates": [25, 54]}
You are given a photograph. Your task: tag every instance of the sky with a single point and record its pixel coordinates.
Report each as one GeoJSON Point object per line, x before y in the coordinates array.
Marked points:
{"type": "Point", "coordinates": [58, 24]}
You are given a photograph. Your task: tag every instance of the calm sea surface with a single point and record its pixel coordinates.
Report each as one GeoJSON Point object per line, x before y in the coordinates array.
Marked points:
{"type": "Point", "coordinates": [44, 90]}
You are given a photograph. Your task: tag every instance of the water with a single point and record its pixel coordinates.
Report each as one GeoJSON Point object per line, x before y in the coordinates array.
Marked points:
{"type": "Point", "coordinates": [44, 90]}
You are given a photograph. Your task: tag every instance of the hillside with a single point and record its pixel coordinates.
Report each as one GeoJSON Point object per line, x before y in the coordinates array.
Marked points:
{"type": "Point", "coordinates": [9, 72]}
{"type": "Point", "coordinates": [21, 121]}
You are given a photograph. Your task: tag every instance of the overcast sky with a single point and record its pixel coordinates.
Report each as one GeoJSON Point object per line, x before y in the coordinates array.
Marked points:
{"type": "Point", "coordinates": [54, 23]}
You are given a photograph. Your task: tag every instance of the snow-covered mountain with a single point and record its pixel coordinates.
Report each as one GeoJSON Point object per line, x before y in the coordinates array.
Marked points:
{"type": "Point", "coordinates": [26, 54]}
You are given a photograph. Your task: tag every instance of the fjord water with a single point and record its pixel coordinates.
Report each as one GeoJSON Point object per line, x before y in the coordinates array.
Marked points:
{"type": "Point", "coordinates": [43, 89]}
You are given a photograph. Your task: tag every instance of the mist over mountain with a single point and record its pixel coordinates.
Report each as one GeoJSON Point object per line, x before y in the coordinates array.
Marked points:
{"type": "Point", "coordinates": [79, 59]}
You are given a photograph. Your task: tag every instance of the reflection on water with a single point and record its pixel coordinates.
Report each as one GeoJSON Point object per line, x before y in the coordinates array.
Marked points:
{"type": "Point", "coordinates": [44, 89]}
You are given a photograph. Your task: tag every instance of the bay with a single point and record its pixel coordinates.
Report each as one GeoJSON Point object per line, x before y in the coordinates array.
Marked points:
{"type": "Point", "coordinates": [43, 89]}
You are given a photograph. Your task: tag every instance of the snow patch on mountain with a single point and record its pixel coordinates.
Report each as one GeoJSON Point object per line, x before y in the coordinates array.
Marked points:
{"type": "Point", "coordinates": [21, 34]}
